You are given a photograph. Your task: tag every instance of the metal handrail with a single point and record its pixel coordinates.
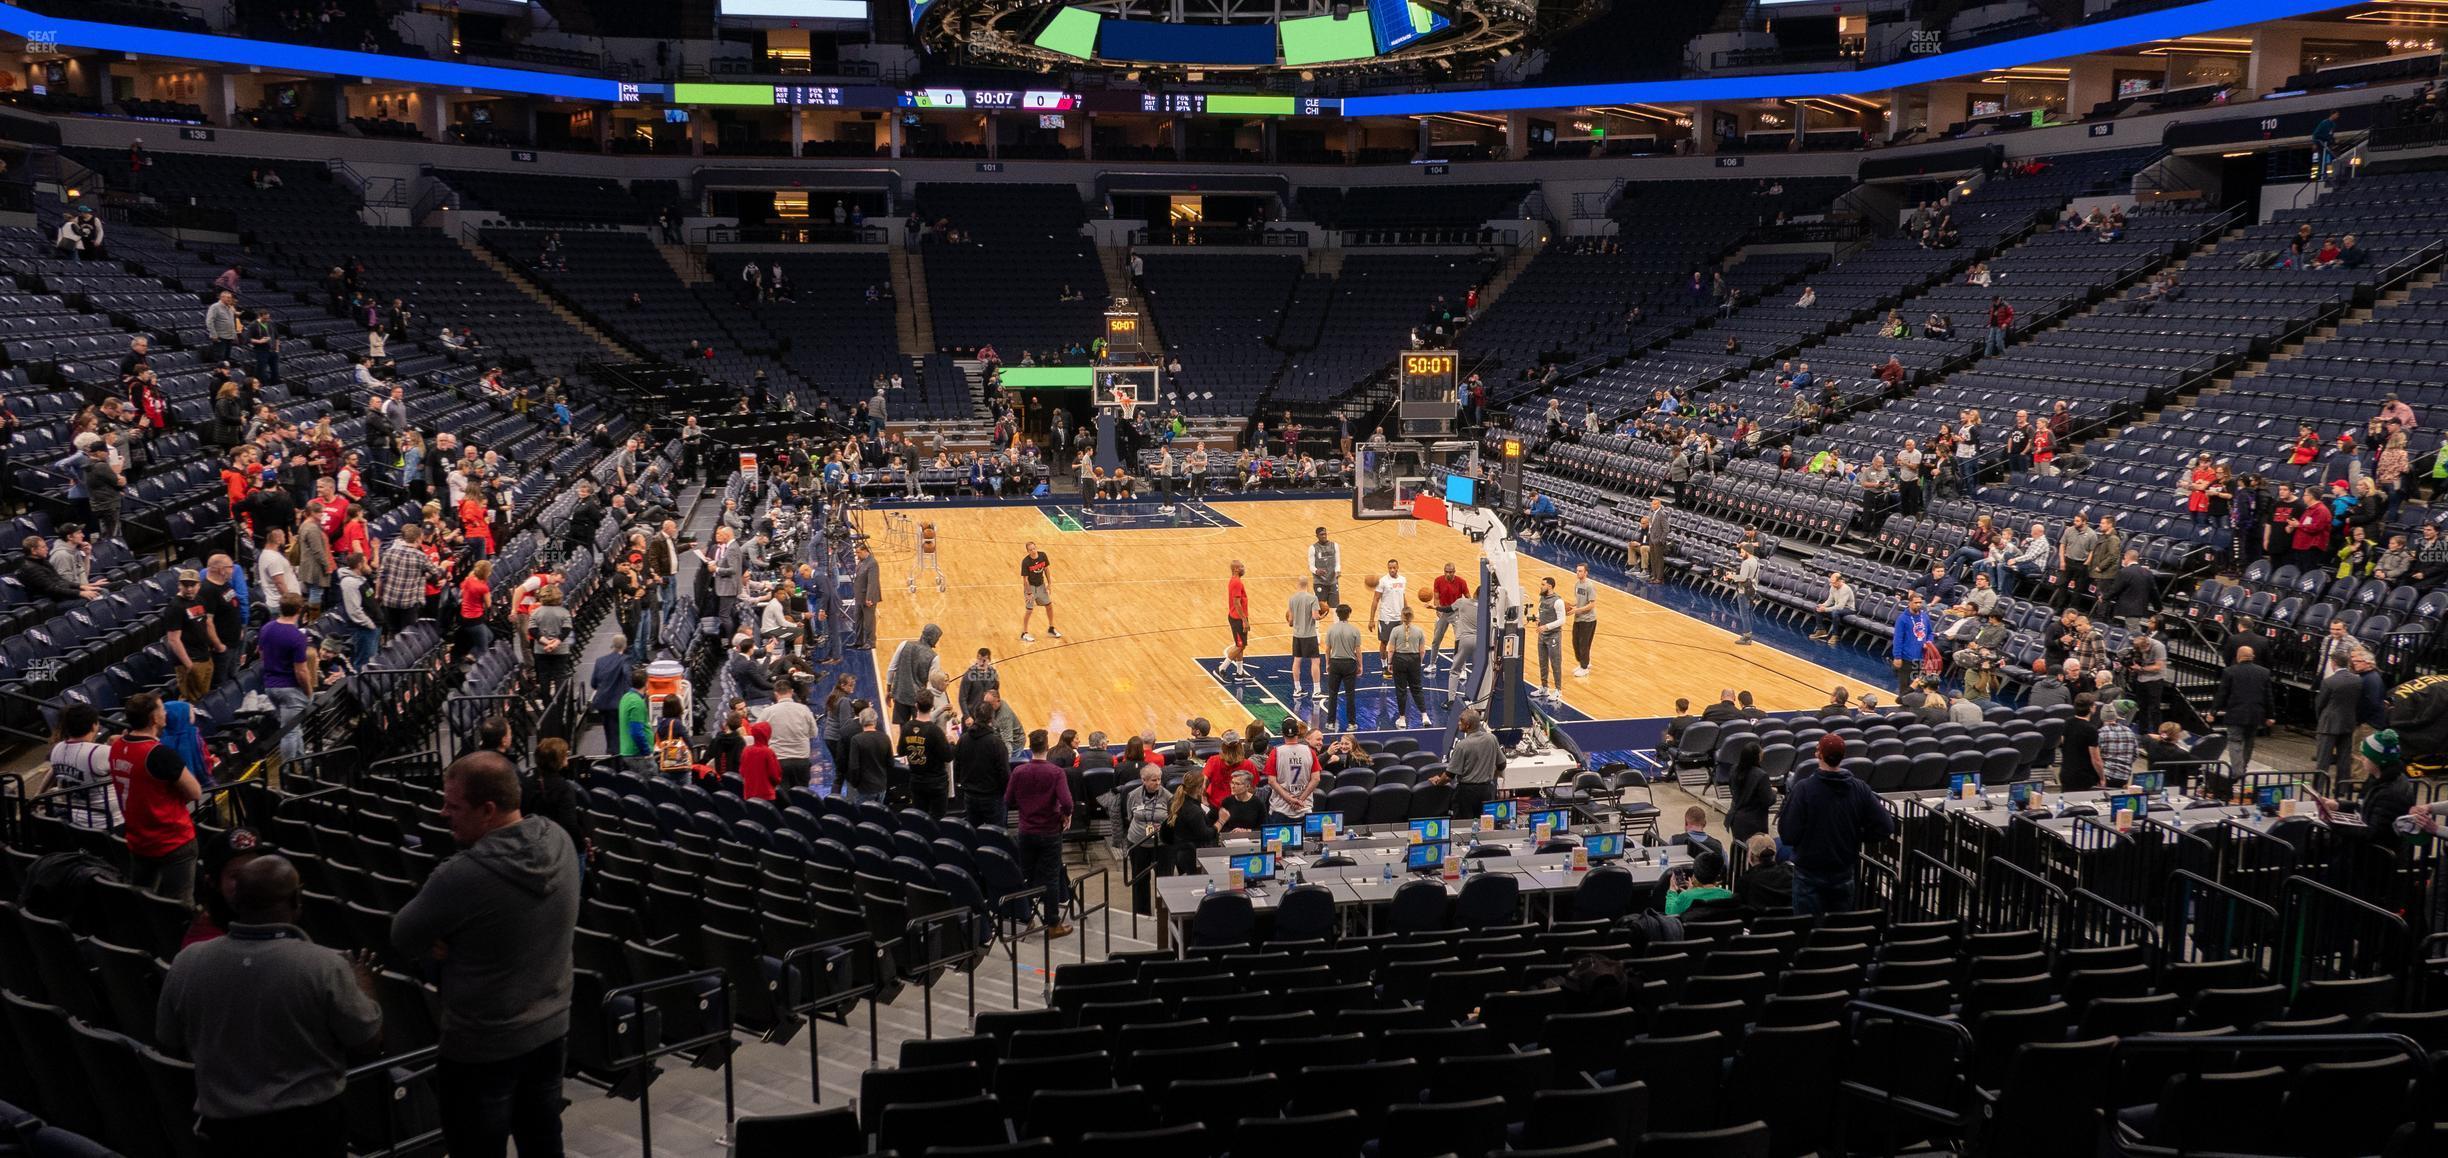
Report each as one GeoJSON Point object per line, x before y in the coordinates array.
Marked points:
{"type": "Point", "coordinates": [396, 1072]}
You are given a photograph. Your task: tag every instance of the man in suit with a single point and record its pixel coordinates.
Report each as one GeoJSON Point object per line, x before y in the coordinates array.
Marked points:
{"type": "Point", "coordinates": [1655, 538]}
{"type": "Point", "coordinates": [610, 681]}
{"type": "Point", "coordinates": [2242, 706]}
{"type": "Point", "coordinates": [663, 559]}
{"type": "Point", "coordinates": [870, 595]}
{"type": "Point", "coordinates": [750, 676]}
{"type": "Point", "coordinates": [2336, 707]}
{"type": "Point", "coordinates": [729, 560]}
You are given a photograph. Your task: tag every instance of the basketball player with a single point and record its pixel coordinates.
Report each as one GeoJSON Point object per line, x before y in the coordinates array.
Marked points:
{"type": "Point", "coordinates": [1388, 606]}
{"type": "Point", "coordinates": [1035, 592]}
{"type": "Point", "coordinates": [1550, 641]}
{"type": "Point", "coordinates": [1584, 619]}
{"type": "Point", "coordinates": [1451, 589]}
{"type": "Point", "coordinates": [1342, 671]}
{"type": "Point", "coordinates": [1326, 568]}
{"type": "Point", "coordinates": [1236, 613]}
{"type": "Point", "coordinates": [1302, 613]}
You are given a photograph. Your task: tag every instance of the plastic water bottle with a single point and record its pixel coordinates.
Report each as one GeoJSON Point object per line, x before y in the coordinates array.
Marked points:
{"type": "Point", "coordinates": [1389, 872]}
{"type": "Point", "coordinates": [1211, 886]}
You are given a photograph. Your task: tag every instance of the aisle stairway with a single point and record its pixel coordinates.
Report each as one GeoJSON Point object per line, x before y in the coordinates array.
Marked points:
{"type": "Point", "coordinates": [913, 323]}
{"type": "Point", "coordinates": [612, 346]}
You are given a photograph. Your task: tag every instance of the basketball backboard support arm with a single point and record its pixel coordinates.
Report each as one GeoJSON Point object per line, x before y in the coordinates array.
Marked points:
{"type": "Point", "coordinates": [1495, 683]}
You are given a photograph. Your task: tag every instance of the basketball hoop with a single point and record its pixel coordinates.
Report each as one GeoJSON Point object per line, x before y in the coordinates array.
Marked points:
{"type": "Point", "coordinates": [1126, 399]}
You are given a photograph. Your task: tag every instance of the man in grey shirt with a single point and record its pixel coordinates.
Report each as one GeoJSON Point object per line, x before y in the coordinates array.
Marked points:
{"type": "Point", "coordinates": [2073, 549]}
{"type": "Point", "coordinates": [1745, 580]}
{"type": "Point", "coordinates": [1476, 760]}
{"type": "Point", "coordinates": [1342, 671]}
{"type": "Point", "coordinates": [794, 728]}
{"type": "Point", "coordinates": [1326, 568]}
{"type": "Point", "coordinates": [221, 326]}
{"type": "Point", "coordinates": [2148, 661]}
{"type": "Point", "coordinates": [911, 663]}
{"type": "Point", "coordinates": [1584, 618]}
{"type": "Point", "coordinates": [271, 1021]}
{"type": "Point", "coordinates": [498, 920]}
{"type": "Point", "coordinates": [1301, 614]}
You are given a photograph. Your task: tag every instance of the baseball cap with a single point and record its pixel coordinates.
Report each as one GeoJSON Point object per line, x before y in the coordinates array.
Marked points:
{"type": "Point", "coordinates": [189, 575]}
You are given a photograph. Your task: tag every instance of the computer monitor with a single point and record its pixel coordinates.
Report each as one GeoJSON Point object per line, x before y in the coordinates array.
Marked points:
{"type": "Point", "coordinates": [1461, 490]}
{"type": "Point", "coordinates": [2018, 795]}
{"type": "Point", "coordinates": [1500, 812]}
{"type": "Point", "coordinates": [2268, 796]}
{"type": "Point", "coordinates": [1256, 867]}
{"type": "Point", "coordinates": [2150, 782]}
{"type": "Point", "coordinates": [1556, 819]}
{"type": "Point", "coordinates": [1289, 834]}
{"type": "Point", "coordinates": [1956, 782]}
{"type": "Point", "coordinates": [1313, 824]}
{"type": "Point", "coordinates": [1427, 855]}
{"type": "Point", "coordinates": [1603, 845]}
{"type": "Point", "coordinates": [1433, 828]}
{"type": "Point", "coordinates": [2136, 802]}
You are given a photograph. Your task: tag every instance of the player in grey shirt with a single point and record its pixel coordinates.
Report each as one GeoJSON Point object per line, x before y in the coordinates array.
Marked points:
{"type": "Point", "coordinates": [1406, 642]}
{"type": "Point", "coordinates": [1584, 618]}
{"type": "Point", "coordinates": [1343, 669]}
{"type": "Point", "coordinates": [1301, 613]}
{"type": "Point", "coordinates": [1326, 569]}
{"type": "Point", "coordinates": [1550, 640]}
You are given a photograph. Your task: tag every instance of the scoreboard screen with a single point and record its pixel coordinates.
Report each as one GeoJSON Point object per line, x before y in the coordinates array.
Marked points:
{"type": "Point", "coordinates": [1429, 375]}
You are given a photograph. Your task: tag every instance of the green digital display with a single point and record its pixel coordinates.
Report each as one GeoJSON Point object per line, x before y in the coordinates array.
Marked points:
{"type": "Point", "coordinates": [1048, 377]}
{"type": "Point", "coordinates": [1251, 106]}
{"type": "Point", "coordinates": [1320, 39]}
{"type": "Point", "coordinates": [1072, 32]}
{"type": "Point", "coordinates": [722, 94]}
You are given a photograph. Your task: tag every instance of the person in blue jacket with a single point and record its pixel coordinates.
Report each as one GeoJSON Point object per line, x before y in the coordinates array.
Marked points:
{"type": "Point", "coordinates": [1912, 636]}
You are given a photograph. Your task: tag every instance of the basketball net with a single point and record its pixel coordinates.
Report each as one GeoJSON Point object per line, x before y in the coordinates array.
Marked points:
{"type": "Point", "coordinates": [1126, 399]}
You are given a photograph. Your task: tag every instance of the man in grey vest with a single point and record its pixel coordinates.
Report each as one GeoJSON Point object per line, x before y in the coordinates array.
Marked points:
{"type": "Point", "coordinates": [1342, 671]}
{"type": "Point", "coordinates": [1326, 569]}
{"type": "Point", "coordinates": [1476, 761]}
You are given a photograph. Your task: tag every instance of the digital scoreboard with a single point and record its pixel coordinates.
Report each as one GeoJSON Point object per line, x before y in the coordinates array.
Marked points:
{"type": "Point", "coordinates": [1122, 335]}
{"type": "Point", "coordinates": [1427, 384]}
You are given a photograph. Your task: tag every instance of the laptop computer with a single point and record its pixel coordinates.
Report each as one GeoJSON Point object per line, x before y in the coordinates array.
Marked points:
{"type": "Point", "coordinates": [1427, 856]}
{"type": "Point", "coordinates": [1256, 867]}
{"type": "Point", "coordinates": [1498, 812]}
{"type": "Point", "coordinates": [1433, 828]}
{"type": "Point", "coordinates": [1289, 834]}
{"type": "Point", "coordinates": [1314, 823]}
{"type": "Point", "coordinates": [1604, 846]}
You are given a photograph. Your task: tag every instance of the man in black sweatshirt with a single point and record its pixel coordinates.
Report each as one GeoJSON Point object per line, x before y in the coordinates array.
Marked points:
{"type": "Point", "coordinates": [982, 765]}
{"type": "Point", "coordinates": [1827, 818]}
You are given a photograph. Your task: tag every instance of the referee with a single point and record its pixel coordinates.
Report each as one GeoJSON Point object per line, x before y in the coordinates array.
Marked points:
{"type": "Point", "coordinates": [1407, 641]}
{"type": "Point", "coordinates": [1343, 671]}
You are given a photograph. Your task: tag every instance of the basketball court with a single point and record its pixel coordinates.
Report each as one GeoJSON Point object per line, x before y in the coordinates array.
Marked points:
{"type": "Point", "coordinates": [1139, 598]}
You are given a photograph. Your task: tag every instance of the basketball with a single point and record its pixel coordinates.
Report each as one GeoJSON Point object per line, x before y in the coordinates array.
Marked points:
{"type": "Point", "coordinates": [1427, 595]}
{"type": "Point", "coordinates": [1370, 583]}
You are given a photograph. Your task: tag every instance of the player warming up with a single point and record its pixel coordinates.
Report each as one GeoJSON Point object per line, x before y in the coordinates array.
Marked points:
{"type": "Point", "coordinates": [1302, 614]}
{"type": "Point", "coordinates": [1035, 592]}
{"type": "Point", "coordinates": [1236, 613]}
{"type": "Point", "coordinates": [1386, 607]}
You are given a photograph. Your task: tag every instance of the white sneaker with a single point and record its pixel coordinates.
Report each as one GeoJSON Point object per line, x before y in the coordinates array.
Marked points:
{"type": "Point", "coordinates": [1056, 634]}
{"type": "Point", "coordinates": [1581, 673]}
{"type": "Point", "coordinates": [1027, 638]}
{"type": "Point", "coordinates": [1401, 722]}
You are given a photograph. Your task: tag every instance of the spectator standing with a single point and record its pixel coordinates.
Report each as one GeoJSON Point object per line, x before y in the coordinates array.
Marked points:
{"type": "Point", "coordinates": [982, 764]}
{"type": "Point", "coordinates": [2001, 320]}
{"type": "Point", "coordinates": [1745, 580]}
{"type": "Point", "coordinates": [1910, 646]}
{"type": "Point", "coordinates": [636, 746]}
{"type": "Point", "coordinates": [288, 673]}
{"type": "Point", "coordinates": [498, 919]}
{"type": "Point", "coordinates": [221, 327]}
{"type": "Point", "coordinates": [2242, 706]}
{"type": "Point", "coordinates": [1827, 818]}
{"type": "Point", "coordinates": [2337, 707]}
{"type": "Point", "coordinates": [2080, 748]}
{"type": "Point", "coordinates": [155, 788]}
{"type": "Point", "coordinates": [1040, 793]}
{"type": "Point", "coordinates": [271, 1021]}
{"type": "Point", "coordinates": [1477, 761]}
{"type": "Point", "coordinates": [608, 685]}
{"type": "Point", "coordinates": [794, 734]}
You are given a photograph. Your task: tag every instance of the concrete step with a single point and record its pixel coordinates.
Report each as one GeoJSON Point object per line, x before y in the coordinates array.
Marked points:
{"type": "Point", "coordinates": [610, 344]}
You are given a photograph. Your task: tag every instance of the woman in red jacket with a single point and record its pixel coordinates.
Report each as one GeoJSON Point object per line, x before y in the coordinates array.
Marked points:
{"type": "Point", "coordinates": [760, 770]}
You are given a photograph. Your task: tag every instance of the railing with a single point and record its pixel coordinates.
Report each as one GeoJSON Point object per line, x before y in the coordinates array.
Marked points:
{"type": "Point", "coordinates": [634, 1019]}
{"type": "Point", "coordinates": [1846, 51]}
{"type": "Point", "coordinates": [2332, 934]}
{"type": "Point", "coordinates": [2013, 897]}
{"type": "Point", "coordinates": [438, 194]}
{"type": "Point", "coordinates": [825, 981]}
{"type": "Point", "coordinates": [2203, 920]}
{"type": "Point", "coordinates": [826, 234]}
{"type": "Point", "coordinates": [1474, 235]}
{"type": "Point", "coordinates": [1219, 235]}
{"type": "Point", "coordinates": [401, 1086]}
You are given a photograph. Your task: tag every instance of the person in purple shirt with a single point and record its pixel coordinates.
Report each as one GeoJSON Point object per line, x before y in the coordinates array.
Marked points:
{"type": "Point", "coordinates": [1912, 636]}
{"type": "Point", "coordinates": [288, 672]}
{"type": "Point", "coordinates": [1041, 795]}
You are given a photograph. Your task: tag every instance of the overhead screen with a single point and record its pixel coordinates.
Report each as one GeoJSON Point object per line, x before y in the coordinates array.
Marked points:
{"type": "Point", "coordinates": [1243, 44]}
{"type": "Point", "coordinates": [1072, 32]}
{"type": "Point", "coordinates": [797, 9]}
{"type": "Point", "coordinates": [1319, 39]}
{"type": "Point", "coordinates": [1047, 377]}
